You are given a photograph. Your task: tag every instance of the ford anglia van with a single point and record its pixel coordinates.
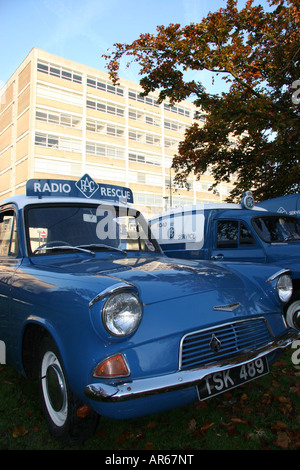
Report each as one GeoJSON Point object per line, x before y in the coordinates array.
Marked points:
{"type": "Point", "coordinates": [243, 232]}
{"type": "Point", "coordinates": [108, 325]}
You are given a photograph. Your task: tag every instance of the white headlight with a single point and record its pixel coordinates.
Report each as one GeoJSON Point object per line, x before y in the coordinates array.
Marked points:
{"type": "Point", "coordinates": [122, 313]}
{"type": "Point", "coordinates": [284, 287]}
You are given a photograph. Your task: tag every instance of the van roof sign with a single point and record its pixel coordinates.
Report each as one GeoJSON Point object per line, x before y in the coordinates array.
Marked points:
{"type": "Point", "coordinates": [84, 187]}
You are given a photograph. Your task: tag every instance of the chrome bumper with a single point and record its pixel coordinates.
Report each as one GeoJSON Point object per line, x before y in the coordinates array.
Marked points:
{"type": "Point", "coordinates": [182, 379]}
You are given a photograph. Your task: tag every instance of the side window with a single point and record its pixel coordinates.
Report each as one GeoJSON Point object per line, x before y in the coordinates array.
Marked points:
{"type": "Point", "coordinates": [246, 237]}
{"type": "Point", "coordinates": [227, 234]}
{"type": "Point", "coordinates": [8, 234]}
{"type": "Point", "coordinates": [232, 234]}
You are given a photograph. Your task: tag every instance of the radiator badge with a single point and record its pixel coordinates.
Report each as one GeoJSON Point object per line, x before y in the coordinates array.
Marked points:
{"type": "Point", "coordinates": [214, 344]}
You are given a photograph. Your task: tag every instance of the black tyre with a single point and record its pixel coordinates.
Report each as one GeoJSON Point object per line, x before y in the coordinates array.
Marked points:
{"type": "Point", "coordinates": [59, 404]}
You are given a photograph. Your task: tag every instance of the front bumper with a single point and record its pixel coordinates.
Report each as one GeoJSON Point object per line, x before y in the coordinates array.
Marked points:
{"type": "Point", "coordinates": [141, 388]}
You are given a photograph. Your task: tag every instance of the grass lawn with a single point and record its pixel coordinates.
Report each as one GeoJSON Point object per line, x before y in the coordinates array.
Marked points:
{"type": "Point", "coordinates": [263, 414]}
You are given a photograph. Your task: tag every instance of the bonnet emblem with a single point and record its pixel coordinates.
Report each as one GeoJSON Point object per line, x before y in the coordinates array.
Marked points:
{"type": "Point", "coordinates": [227, 308]}
{"type": "Point", "coordinates": [215, 344]}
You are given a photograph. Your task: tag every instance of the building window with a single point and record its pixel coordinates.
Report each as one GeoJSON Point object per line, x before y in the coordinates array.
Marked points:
{"type": "Point", "coordinates": [102, 150]}
{"type": "Point", "coordinates": [57, 142]}
{"type": "Point", "coordinates": [200, 117]}
{"type": "Point", "coordinates": [104, 86]}
{"type": "Point", "coordinates": [174, 126]}
{"type": "Point", "coordinates": [106, 173]}
{"type": "Point", "coordinates": [169, 143]}
{"type": "Point", "coordinates": [104, 128]}
{"type": "Point", "coordinates": [60, 72]}
{"type": "Point", "coordinates": [150, 179]}
{"type": "Point", "coordinates": [152, 139]}
{"type": "Point", "coordinates": [178, 110]}
{"type": "Point", "coordinates": [60, 119]}
{"type": "Point", "coordinates": [105, 108]}
{"type": "Point", "coordinates": [143, 99]}
{"type": "Point", "coordinates": [137, 115]}
{"type": "Point", "coordinates": [149, 139]}
{"type": "Point", "coordinates": [144, 158]}
{"type": "Point", "coordinates": [59, 94]}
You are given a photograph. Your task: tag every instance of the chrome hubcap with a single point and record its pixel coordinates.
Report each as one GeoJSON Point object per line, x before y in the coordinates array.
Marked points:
{"type": "Point", "coordinates": [54, 389]}
{"type": "Point", "coordinates": [293, 315]}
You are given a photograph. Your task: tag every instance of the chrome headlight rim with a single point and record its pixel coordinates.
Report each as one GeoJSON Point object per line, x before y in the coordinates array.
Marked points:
{"type": "Point", "coordinates": [284, 287]}
{"type": "Point", "coordinates": [122, 313]}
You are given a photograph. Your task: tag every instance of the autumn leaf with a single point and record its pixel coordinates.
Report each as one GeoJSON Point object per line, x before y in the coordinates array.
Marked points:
{"type": "Point", "coordinates": [151, 425]}
{"type": "Point", "coordinates": [192, 425]}
{"type": "Point", "coordinates": [244, 397]}
{"type": "Point", "coordinates": [231, 431]}
{"type": "Point", "coordinates": [149, 446]}
{"type": "Point", "coordinates": [282, 440]}
{"type": "Point", "coordinates": [205, 427]}
{"type": "Point", "coordinates": [19, 431]}
{"type": "Point", "coordinates": [279, 426]}
{"type": "Point", "coordinates": [238, 421]}
{"type": "Point", "coordinates": [83, 411]}
{"type": "Point", "coordinates": [282, 400]}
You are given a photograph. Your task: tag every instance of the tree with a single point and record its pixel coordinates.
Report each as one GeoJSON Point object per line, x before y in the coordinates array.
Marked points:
{"type": "Point", "coordinates": [251, 131]}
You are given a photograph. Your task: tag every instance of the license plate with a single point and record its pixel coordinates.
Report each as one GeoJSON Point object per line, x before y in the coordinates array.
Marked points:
{"type": "Point", "coordinates": [219, 382]}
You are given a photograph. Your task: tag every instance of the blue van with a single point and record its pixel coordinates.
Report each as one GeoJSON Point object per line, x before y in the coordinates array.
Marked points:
{"type": "Point", "coordinates": [234, 233]}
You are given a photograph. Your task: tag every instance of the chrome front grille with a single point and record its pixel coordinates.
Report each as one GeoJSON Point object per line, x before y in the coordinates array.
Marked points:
{"type": "Point", "coordinates": [235, 338]}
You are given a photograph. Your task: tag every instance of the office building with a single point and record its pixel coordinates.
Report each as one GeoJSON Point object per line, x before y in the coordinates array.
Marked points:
{"type": "Point", "coordinates": [61, 119]}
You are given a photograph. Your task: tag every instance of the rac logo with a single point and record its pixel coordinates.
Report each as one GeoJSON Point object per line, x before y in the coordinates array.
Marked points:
{"type": "Point", "coordinates": [87, 186]}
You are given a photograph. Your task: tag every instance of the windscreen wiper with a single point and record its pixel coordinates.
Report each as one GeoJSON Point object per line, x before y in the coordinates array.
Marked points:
{"type": "Point", "coordinates": [102, 246]}
{"type": "Point", "coordinates": [64, 247]}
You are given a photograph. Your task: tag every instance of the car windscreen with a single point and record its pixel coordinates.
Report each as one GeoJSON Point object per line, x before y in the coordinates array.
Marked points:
{"type": "Point", "coordinates": [65, 227]}
{"type": "Point", "coordinates": [276, 229]}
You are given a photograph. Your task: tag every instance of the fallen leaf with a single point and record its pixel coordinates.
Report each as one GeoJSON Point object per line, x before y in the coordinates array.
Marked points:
{"type": "Point", "coordinates": [192, 425]}
{"type": "Point", "coordinates": [282, 440]}
{"type": "Point", "coordinates": [205, 427]}
{"type": "Point", "coordinates": [19, 431]}
{"type": "Point", "coordinates": [279, 426]}
{"type": "Point", "coordinates": [151, 425]}
{"type": "Point", "coordinates": [238, 421]}
{"type": "Point", "coordinates": [225, 425]}
{"type": "Point", "coordinates": [149, 446]}
{"type": "Point", "coordinates": [282, 399]}
{"type": "Point", "coordinates": [83, 411]}
{"type": "Point", "coordinates": [231, 431]}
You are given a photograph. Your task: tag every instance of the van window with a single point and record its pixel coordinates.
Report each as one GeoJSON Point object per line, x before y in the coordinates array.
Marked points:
{"type": "Point", "coordinates": [232, 234]}
{"type": "Point", "coordinates": [276, 229]}
{"type": "Point", "coordinates": [8, 234]}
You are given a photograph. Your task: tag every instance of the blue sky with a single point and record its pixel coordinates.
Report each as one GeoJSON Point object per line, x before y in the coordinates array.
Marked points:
{"type": "Point", "coordinates": [82, 30]}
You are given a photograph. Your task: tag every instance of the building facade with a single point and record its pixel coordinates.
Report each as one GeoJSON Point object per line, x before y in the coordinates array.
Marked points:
{"type": "Point", "coordinates": [60, 119]}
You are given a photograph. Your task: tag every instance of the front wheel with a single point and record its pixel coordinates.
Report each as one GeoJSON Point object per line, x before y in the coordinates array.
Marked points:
{"type": "Point", "coordinates": [59, 404]}
{"type": "Point", "coordinates": [293, 312]}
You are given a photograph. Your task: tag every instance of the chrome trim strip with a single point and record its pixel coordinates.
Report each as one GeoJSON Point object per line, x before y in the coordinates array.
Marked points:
{"type": "Point", "coordinates": [182, 379]}
{"type": "Point", "coordinates": [111, 290]}
{"type": "Point", "coordinates": [279, 273]}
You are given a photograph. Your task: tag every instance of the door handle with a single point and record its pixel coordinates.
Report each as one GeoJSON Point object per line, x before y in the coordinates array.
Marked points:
{"type": "Point", "coordinates": [216, 257]}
